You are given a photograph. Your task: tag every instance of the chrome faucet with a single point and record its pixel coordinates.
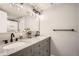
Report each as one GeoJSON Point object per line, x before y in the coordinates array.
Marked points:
{"type": "Point", "coordinates": [12, 35]}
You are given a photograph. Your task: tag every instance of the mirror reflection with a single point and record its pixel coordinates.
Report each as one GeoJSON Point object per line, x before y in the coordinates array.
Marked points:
{"type": "Point", "coordinates": [18, 18]}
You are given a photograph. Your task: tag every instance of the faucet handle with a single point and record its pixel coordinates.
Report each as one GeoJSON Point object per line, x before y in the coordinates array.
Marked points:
{"type": "Point", "coordinates": [16, 39]}
{"type": "Point", "coordinates": [5, 41]}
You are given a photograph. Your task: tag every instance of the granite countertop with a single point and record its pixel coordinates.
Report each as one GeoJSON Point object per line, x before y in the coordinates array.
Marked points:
{"type": "Point", "coordinates": [27, 42]}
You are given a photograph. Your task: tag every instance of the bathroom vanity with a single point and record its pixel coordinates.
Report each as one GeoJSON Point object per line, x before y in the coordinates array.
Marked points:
{"type": "Point", "coordinates": [37, 46]}
{"type": "Point", "coordinates": [40, 48]}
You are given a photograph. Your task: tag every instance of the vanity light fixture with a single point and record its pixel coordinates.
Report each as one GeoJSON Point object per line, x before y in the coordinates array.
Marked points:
{"type": "Point", "coordinates": [21, 3]}
{"type": "Point", "coordinates": [35, 11]}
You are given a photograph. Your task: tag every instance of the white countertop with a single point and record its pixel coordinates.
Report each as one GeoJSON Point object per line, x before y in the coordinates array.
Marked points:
{"type": "Point", "coordinates": [27, 41]}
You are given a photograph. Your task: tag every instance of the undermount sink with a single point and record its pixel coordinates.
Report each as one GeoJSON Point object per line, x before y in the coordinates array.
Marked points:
{"type": "Point", "coordinates": [14, 45]}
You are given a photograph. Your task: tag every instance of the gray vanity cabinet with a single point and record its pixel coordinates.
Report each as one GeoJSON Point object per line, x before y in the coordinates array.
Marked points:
{"type": "Point", "coordinates": [41, 48]}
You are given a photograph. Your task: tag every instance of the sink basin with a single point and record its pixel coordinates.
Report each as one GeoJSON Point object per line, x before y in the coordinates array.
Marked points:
{"type": "Point", "coordinates": [14, 45]}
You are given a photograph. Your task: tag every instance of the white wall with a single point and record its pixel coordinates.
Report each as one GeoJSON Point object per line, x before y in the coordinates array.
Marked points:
{"type": "Point", "coordinates": [63, 16]}
{"type": "Point", "coordinates": [3, 22]}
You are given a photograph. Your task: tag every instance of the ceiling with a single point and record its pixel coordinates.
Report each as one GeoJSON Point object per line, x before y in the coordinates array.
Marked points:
{"type": "Point", "coordinates": [41, 6]}
{"type": "Point", "coordinates": [18, 10]}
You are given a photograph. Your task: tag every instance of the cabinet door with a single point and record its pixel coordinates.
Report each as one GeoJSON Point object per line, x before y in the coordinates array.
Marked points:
{"type": "Point", "coordinates": [41, 51]}
{"type": "Point", "coordinates": [46, 51]}
{"type": "Point", "coordinates": [47, 47]}
{"type": "Point", "coordinates": [36, 49]}
{"type": "Point", "coordinates": [44, 47]}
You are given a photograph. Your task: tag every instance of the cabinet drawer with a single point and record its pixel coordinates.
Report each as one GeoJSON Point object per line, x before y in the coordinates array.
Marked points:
{"type": "Point", "coordinates": [44, 42]}
{"type": "Point", "coordinates": [27, 51]}
{"type": "Point", "coordinates": [24, 52]}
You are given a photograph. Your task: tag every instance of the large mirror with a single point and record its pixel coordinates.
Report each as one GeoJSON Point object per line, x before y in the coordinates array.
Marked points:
{"type": "Point", "coordinates": [14, 18]}
{"type": "Point", "coordinates": [29, 22]}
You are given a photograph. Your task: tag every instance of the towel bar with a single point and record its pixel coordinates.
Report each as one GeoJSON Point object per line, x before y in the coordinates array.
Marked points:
{"type": "Point", "coordinates": [63, 30]}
